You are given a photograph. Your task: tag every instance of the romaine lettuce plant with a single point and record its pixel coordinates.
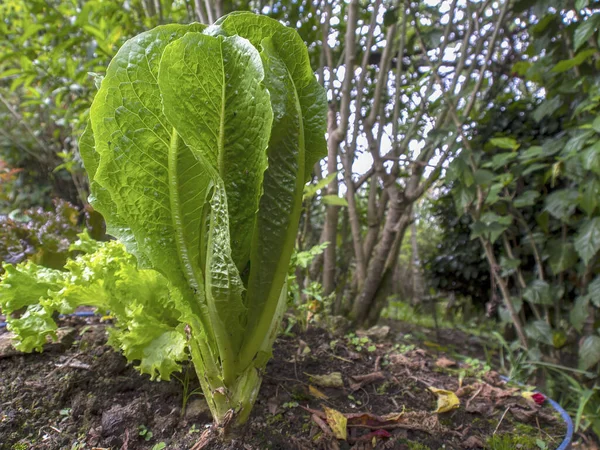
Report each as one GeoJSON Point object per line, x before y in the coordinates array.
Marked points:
{"type": "Point", "coordinates": [199, 145]}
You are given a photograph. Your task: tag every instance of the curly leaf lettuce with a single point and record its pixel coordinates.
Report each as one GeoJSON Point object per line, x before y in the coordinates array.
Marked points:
{"type": "Point", "coordinates": [147, 328]}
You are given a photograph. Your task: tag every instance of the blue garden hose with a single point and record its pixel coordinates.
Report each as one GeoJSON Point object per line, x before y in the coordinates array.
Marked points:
{"type": "Point", "coordinates": [566, 443]}
{"type": "Point", "coordinates": [76, 314]}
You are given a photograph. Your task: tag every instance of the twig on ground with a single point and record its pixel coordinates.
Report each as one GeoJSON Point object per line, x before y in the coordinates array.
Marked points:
{"type": "Point", "coordinates": [477, 392]}
{"type": "Point", "coordinates": [126, 441]}
{"type": "Point", "coordinates": [321, 423]}
{"type": "Point", "coordinates": [501, 419]}
{"type": "Point", "coordinates": [60, 366]}
{"type": "Point", "coordinates": [368, 397]}
{"type": "Point", "coordinates": [343, 359]}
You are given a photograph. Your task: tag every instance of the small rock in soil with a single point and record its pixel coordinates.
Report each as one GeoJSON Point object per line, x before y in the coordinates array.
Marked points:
{"type": "Point", "coordinates": [84, 404]}
{"type": "Point", "coordinates": [376, 332]}
{"type": "Point", "coordinates": [94, 336]}
{"type": "Point", "coordinates": [64, 339]}
{"type": "Point", "coordinates": [197, 409]}
{"type": "Point", "coordinates": [472, 443]}
{"type": "Point", "coordinates": [338, 324]}
{"type": "Point", "coordinates": [166, 424]}
{"type": "Point", "coordinates": [110, 363]}
{"type": "Point", "coordinates": [6, 348]}
{"type": "Point", "coordinates": [118, 418]}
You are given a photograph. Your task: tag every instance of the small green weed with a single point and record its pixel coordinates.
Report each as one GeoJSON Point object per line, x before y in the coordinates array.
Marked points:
{"type": "Point", "coordinates": [145, 432]}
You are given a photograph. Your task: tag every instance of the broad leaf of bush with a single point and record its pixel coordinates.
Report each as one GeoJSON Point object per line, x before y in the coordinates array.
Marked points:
{"type": "Point", "coordinates": [594, 291]}
{"type": "Point", "coordinates": [538, 292]}
{"type": "Point", "coordinates": [562, 256]}
{"type": "Point", "coordinates": [527, 198]}
{"type": "Point", "coordinates": [587, 240]}
{"type": "Point", "coordinates": [589, 352]}
{"type": "Point", "coordinates": [562, 203]}
{"type": "Point", "coordinates": [579, 312]}
{"type": "Point", "coordinates": [540, 331]}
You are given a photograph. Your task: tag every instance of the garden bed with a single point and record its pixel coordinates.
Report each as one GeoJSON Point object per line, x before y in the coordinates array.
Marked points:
{"type": "Point", "coordinates": [80, 394]}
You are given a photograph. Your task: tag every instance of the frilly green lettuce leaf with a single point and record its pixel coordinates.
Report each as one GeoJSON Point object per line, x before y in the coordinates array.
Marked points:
{"type": "Point", "coordinates": [85, 243]}
{"type": "Point", "coordinates": [26, 284]}
{"type": "Point", "coordinates": [33, 328]}
{"type": "Point", "coordinates": [146, 338]}
{"type": "Point", "coordinates": [147, 326]}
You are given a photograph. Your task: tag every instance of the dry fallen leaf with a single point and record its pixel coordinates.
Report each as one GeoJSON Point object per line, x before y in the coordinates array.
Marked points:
{"type": "Point", "coordinates": [368, 420]}
{"type": "Point", "coordinates": [444, 363]}
{"type": "Point", "coordinates": [522, 415]}
{"type": "Point", "coordinates": [376, 332]}
{"type": "Point", "coordinates": [337, 422]}
{"type": "Point", "coordinates": [472, 443]}
{"type": "Point", "coordinates": [333, 379]}
{"type": "Point", "coordinates": [273, 405]}
{"type": "Point", "coordinates": [316, 393]}
{"type": "Point", "coordinates": [446, 400]}
{"type": "Point", "coordinates": [358, 381]}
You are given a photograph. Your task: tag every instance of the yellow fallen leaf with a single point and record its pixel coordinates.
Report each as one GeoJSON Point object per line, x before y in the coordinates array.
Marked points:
{"type": "Point", "coordinates": [316, 393]}
{"type": "Point", "coordinates": [337, 422]}
{"type": "Point", "coordinates": [527, 395]}
{"type": "Point", "coordinates": [446, 400]}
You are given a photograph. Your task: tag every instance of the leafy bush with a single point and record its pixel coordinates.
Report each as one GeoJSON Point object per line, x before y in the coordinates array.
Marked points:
{"type": "Point", "coordinates": [457, 265]}
{"type": "Point", "coordinates": [530, 182]}
{"type": "Point", "coordinates": [50, 51]}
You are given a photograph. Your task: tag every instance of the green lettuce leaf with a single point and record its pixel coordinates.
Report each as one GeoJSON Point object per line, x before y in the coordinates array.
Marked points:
{"type": "Point", "coordinates": [222, 112]}
{"type": "Point", "coordinates": [132, 140]}
{"type": "Point", "coordinates": [290, 48]}
{"type": "Point", "coordinates": [147, 328]}
{"type": "Point", "coordinates": [200, 144]}
{"type": "Point", "coordinates": [280, 206]}
{"type": "Point", "coordinates": [33, 328]}
{"type": "Point", "coordinates": [25, 284]}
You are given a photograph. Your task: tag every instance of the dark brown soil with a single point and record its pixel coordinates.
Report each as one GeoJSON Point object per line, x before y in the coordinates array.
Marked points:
{"type": "Point", "coordinates": [80, 394]}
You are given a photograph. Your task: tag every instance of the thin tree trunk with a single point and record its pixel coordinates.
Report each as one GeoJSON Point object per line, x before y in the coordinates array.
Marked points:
{"type": "Point", "coordinates": [489, 253]}
{"type": "Point", "coordinates": [380, 298]}
{"type": "Point", "coordinates": [331, 215]}
{"type": "Point", "coordinates": [354, 219]}
{"type": "Point", "coordinates": [373, 218]}
{"type": "Point", "coordinates": [337, 134]}
{"type": "Point", "coordinates": [200, 13]}
{"type": "Point", "coordinates": [375, 272]}
{"type": "Point", "coordinates": [209, 11]}
{"type": "Point", "coordinates": [417, 282]}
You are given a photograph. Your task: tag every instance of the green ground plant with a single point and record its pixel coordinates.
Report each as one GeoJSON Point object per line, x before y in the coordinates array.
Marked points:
{"type": "Point", "coordinates": [200, 142]}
